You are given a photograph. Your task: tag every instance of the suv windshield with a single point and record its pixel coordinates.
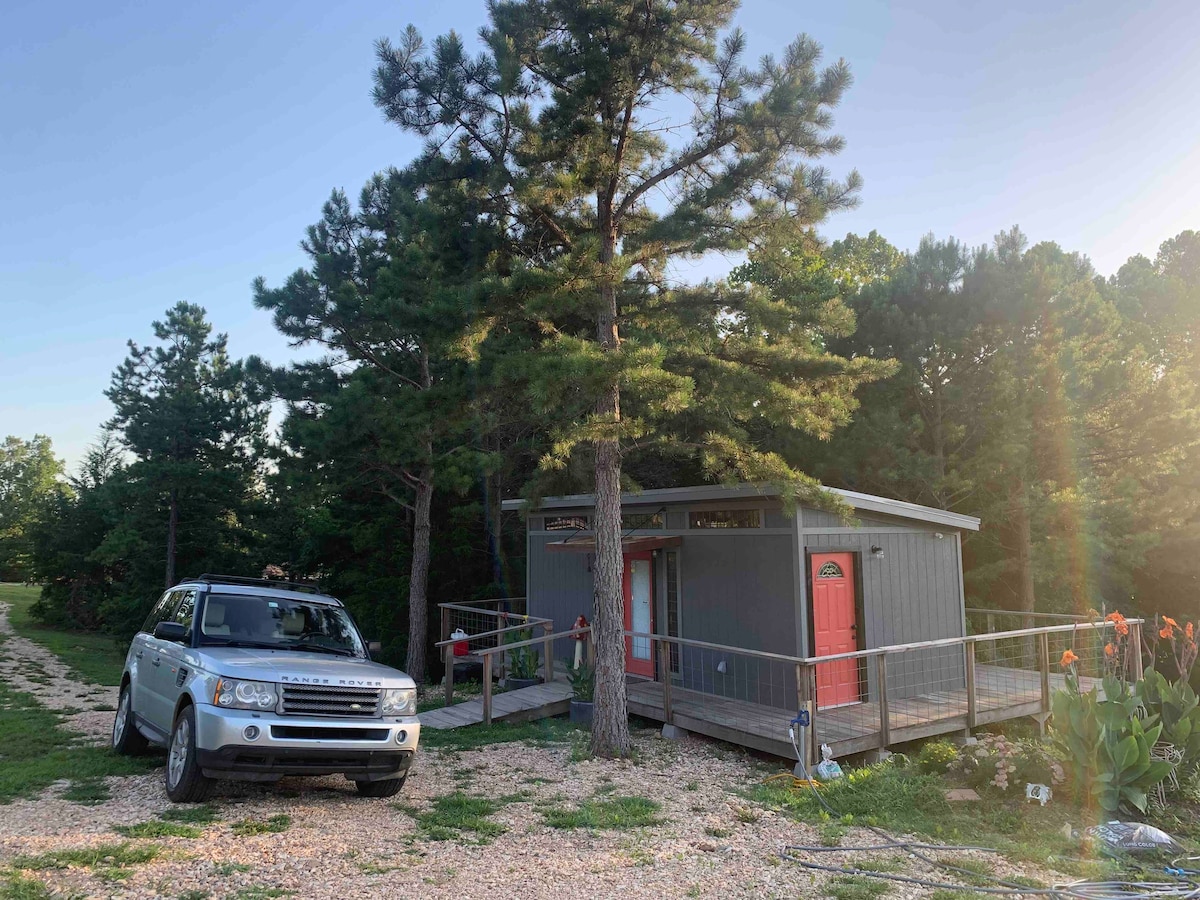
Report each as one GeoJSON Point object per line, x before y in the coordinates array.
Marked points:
{"type": "Point", "coordinates": [239, 620]}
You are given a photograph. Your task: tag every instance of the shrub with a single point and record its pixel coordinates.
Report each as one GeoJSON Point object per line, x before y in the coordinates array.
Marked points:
{"type": "Point", "coordinates": [936, 756]}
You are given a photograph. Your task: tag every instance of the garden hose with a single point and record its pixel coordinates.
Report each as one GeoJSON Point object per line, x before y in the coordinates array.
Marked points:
{"type": "Point", "coordinates": [1083, 890]}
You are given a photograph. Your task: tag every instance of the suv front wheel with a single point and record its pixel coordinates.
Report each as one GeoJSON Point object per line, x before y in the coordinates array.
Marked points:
{"type": "Point", "coordinates": [388, 787]}
{"type": "Point", "coordinates": [185, 782]}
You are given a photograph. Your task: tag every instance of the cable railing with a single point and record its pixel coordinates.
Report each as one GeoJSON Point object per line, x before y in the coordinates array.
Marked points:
{"type": "Point", "coordinates": [857, 701]}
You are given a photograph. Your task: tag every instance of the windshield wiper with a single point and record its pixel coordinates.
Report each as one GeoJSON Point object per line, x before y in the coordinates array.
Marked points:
{"type": "Point", "coordinates": [255, 645]}
{"type": "Point", "coordinates": [320, 648]}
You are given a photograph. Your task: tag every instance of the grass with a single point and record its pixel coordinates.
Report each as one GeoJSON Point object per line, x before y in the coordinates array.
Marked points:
{"type": "Point", "coordinates": [113, 856]}
{"type": "Point", "coordinates": [158, 829]}
{"type": "Point", "coordinates": [20, 887]}
{"type": "Point", "coordinates": [261, 893]}
{"type": "Point", "coordinates": [456, 815]}
{"type": "Point", "coordinates": [274, 825]}
{"type": "Point", "coordinates": [855, 887]}
{"type": "Point", "coordinates": [37, 752]}
{"type": "Point", "coordinates": [902, 800]}
{"type": "Point", "coordinates": [619, 813]}
{"type": "Point", "coordinates": [230, 868]}
{"type": "Point", "coordinates": [96, 658]}
{"type": "Point", "coordinates": [541, 733]}
{"type": "Point", "coordinates": [201, 814]}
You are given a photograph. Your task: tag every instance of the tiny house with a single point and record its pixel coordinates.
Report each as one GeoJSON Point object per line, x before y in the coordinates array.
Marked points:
{"type": "Point", "coordinates": [728, 566]}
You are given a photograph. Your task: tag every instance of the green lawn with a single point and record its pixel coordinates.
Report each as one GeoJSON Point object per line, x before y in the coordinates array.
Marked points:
{"type": "Point", "coordinates": [37, 751]}
{"type": "Point", "coordinates": [96, 657]}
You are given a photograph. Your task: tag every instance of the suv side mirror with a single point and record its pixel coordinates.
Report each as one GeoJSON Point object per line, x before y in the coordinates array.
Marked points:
{"type": "Point", "coordinates": [171, 631]}
{"type": "Point", "coordinates": [374, 647]}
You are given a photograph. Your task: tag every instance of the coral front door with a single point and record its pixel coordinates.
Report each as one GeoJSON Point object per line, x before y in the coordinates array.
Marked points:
{"type": "Point", "coordinates": [638, 582]}
{"type": "Point", "coordinates": [834, 627]}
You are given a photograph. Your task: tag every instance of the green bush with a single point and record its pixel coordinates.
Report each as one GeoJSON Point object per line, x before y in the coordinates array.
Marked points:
{"type": "Point", "coordinates": [936, 756]}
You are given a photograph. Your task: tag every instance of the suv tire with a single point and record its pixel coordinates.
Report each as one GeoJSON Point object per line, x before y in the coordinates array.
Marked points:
{"type": "Point", "coordinates": [185, 782]}
{"type": "Point", "coordinates": [126, 739]}
{"type": "Point", "coordinates": [388, 787]}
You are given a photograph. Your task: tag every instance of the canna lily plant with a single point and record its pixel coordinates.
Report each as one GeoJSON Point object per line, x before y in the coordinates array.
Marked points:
{"type": "Point", "coordinates": [1107, 734]}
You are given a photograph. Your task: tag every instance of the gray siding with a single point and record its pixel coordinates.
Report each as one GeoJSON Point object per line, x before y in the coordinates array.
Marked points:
{"type": "Point", "coordinates": [738, 589]}
{"type": "Point", "coordinates": [749, 588]}
{"type": "Point", "coordinates": [910, 595]}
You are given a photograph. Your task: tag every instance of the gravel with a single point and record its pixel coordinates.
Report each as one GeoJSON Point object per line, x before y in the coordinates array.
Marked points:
{"type": "Point", "coordinates": [711, 842]}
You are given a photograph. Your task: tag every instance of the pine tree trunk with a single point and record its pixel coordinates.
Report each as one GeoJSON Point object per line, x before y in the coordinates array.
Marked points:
{"type": "Point", "coordinates": [610, 717]}
{"type": "Point", "coordinates": [172, 535]}
{"type": "Point", "coordinates": [418, 581]}
{"type": "Point", "coordinates": [1023, 538]}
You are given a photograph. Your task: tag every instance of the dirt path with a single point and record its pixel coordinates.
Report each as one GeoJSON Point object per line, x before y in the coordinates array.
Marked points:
{"type": "Point", "coordinates": [707, 840]}
{"type": "Point", "coordinates": [31, 668]}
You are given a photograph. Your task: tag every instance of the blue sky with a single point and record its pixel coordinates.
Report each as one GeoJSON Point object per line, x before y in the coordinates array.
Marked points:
{"type": "Point", "coordinates": [156, 152]}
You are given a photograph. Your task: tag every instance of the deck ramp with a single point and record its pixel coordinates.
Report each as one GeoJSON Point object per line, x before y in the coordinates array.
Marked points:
{"type": "Point", "coordinates": [541, 701]}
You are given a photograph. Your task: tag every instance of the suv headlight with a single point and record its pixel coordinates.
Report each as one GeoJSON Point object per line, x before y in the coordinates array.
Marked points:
{"type": "Point", "coordinates": [232, 693]}
{"type": "Point", "coordinates": [400, 702]}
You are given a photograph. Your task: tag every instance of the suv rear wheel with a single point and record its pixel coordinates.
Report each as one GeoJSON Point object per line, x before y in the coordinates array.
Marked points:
{"type": "Point", "coordinates": [185, 782]}
{"type": "Point", "coordinates": [388, 787]}
{"type": "Point", "coordinates": [126, 739]}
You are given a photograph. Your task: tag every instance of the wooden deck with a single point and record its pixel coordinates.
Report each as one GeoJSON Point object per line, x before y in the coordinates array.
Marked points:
{"type": "Point", "coordinates": [538, 702]}
{"type": "Point", "coordinates": [1001, 694]}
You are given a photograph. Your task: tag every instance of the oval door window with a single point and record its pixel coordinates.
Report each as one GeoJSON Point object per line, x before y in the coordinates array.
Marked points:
{"type": "Point", "coordinates": [830, 570]}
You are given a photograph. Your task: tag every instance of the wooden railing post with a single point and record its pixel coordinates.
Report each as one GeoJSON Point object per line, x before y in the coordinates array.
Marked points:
{"type": "Point", "coordinates": [664, 656]}
{"type": "Point", "coordinates": [972, 697]}
{"type": "Point", "coordinates": [885, 731]}
{"type": "Point", "coordinates": [487, 689]}
{"type": "Point", "coordinates": [806, 689]}
{"type": "Point", "coordinates": [449, 680]}
{"type": "Point", "coordinates": [548, 651]}
{"type": "Point", "coordinates": [1044, 668]}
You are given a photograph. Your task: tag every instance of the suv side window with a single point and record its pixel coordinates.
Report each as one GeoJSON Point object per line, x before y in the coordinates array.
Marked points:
{"type": "Point", "coordinates": [187, 608]}
{"type": "Point", "coordinates": [161, 612]}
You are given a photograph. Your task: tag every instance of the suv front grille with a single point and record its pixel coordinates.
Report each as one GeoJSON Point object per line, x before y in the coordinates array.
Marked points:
{"type": "Point", "coordinates": [308, 700]}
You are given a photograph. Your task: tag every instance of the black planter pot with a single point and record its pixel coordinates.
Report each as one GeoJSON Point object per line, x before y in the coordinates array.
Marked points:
{"type": "Point", "coordinates": [581, 711]}
{"type": "Point", "coordinates": [515, 684]}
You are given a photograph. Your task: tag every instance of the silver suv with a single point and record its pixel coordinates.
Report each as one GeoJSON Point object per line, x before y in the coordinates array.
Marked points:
{"type": "Point", "coordinates": [250, 679]}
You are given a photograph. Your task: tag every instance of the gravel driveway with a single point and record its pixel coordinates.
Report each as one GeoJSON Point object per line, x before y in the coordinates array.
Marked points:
{"type": "Point", "coordinates": [709, 842]}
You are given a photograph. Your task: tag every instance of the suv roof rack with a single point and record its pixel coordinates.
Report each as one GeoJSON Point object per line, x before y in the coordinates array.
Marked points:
{"type": "Point", "coordinates": [210, 577]}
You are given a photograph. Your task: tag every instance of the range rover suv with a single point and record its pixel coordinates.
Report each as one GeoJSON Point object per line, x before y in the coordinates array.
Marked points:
{"type": "Point", "coordinates": [250, 679]}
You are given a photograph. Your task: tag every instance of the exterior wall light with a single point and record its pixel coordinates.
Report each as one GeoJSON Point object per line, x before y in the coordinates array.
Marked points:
{"type": "Point", "coordinates": [877, 551]}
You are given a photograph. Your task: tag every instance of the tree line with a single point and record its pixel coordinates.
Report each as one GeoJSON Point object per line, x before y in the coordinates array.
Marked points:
{"type": "Point", "coordinates": [505, 315]}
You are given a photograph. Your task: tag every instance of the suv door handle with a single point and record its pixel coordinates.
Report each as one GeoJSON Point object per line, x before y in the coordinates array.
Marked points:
{"type": "Point", "coordinates": [139, 654]}
{"type": "Point", "coordinates": [157, 661]}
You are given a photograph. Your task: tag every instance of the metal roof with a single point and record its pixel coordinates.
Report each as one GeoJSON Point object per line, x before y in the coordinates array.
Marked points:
{"type": "Point", "coordinates": [708, 492]}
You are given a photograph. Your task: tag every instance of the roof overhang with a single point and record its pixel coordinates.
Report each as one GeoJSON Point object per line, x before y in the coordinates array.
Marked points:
{"type": "Point", "coordinates": [638, 544]}
{"type": "Point", "coordinates": [715, 492]}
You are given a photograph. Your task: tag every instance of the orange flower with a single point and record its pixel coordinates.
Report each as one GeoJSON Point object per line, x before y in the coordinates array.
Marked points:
{"type": "Point", "coordinates": [1114, 617]}
{"type": "Point", "coordinates": [1166, 633]}
{"type": "Point", "coordinates": [1170, 621]}
{"type": "Point", "coordinates": [1119, 623]}
{"type": "Point", "coordinates": [1188, 630]}
{"type": "Point", "coordinates": [1121, 628]}
{"type": "Point", "coordinates": [1109, 650]}
{"type": "Point", "coordinates": [1068, 657]}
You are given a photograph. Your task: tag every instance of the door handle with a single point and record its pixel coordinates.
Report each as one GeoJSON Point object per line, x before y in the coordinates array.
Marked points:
{"type": "Point", "coordinates": [139, 654]}
{"type": "Point", "coordinates": [156, 661]}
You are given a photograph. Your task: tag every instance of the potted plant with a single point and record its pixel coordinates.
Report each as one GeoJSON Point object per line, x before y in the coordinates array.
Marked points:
{"type": "Point", "coordinates": [522, 664]}
{"type": "Point", "coordinates": [583, 687]}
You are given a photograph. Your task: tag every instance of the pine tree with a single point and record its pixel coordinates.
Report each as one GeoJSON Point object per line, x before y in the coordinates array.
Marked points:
{"type": "Point", "coordinates": [390, 287]}
{"type": "Point", "coordinates": [194, 424]}
{"type": "Point", "coordinates": [570, 120]}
